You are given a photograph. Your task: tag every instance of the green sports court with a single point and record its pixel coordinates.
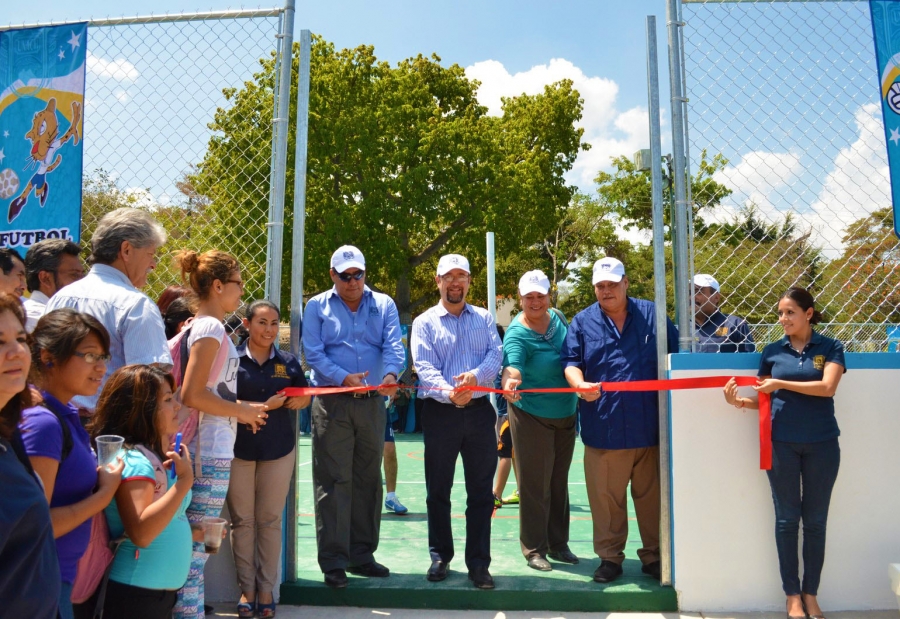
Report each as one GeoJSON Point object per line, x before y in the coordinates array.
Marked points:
{"type": "Point", "coordinates": [404, 549]}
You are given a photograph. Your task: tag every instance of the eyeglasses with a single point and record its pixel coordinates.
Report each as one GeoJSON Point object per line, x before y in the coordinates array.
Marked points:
{"type": "Point", "coordinates": [346, 277]}
{"type": "Point", "coordinates": [449, 279]}
{"type": "Point", "coordinates": [92, 357]}
{"type": "Point", "coordinates": [235, 281]}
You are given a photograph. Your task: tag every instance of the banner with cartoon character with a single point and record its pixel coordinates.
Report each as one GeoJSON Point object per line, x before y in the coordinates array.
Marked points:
{"type": "Point", "coordinates": [886, 32]}
{"type": "Point", "coordinates": [41, 112]}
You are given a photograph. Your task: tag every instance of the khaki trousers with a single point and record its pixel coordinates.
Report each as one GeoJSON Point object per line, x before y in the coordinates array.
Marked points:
{"type": "Point", "coordinates": [544, 448]}
{"type": "Point", "coordinates": [607, 473]}
{"type": "Point", "coordinates": [256, 496]}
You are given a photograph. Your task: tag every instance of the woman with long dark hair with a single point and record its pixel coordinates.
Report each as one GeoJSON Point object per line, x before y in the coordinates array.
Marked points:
{"type": "Point", "coordinates": [801, 372]}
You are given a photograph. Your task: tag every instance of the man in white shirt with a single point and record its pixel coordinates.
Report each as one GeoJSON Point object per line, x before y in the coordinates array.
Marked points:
{"type": "Point", "coordinates": [50, 265]}
{"type": "Point", "coordinates": [123, 252]}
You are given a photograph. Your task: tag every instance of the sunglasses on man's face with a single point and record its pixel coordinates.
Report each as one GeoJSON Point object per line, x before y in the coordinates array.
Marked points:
{"type": "Point", "coordinates": [346, 277]}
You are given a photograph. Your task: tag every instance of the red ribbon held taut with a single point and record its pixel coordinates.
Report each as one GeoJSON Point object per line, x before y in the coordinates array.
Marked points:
{"type": "Point", "coordinates": [670, 384]}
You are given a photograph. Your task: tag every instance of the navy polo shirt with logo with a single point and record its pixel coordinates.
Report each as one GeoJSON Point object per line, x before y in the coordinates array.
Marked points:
{"type": "Point", "coordinates": [797, 417]}
{"type": "Point", "coordinates": [724, 333]}
{"type": "Point", "coordinates": [257, 383]}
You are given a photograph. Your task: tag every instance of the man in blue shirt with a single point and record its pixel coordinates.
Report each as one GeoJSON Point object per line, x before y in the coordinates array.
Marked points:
{"type": "Point", "coordinates": [715, 331]}
{"type": "Point", "coordinates": [351, 338]}
{"type": "Point", "coordinates": [615, 340]}
{"type": "Point", "coordinates": [454, 346]}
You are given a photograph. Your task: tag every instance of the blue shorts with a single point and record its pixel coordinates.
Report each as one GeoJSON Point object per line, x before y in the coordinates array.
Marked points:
{"type": "Point", "coordinates": [388, 430]}
{"type": "Point", "coordinates": [37, 181]}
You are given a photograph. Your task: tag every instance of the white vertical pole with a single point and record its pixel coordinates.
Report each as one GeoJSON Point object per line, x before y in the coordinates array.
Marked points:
{"type": "Point", "coordinates": [491, 291]}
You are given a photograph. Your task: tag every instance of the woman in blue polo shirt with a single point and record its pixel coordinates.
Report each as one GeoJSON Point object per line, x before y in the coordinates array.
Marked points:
{"type": "Point", "coordinates": [801, 372]}
{"type": "Point", "coordinates": [263, 462]}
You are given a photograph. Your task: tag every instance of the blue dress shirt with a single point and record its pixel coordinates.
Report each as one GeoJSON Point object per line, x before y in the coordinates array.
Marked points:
{"type": "Point", "coordinates": [797, 417]}
{"type": "Point", "coordinates": [618, 419]}
{"type": "Point", "coordinates": [724, 333]}
{"type": "Point", "coordinates": [444, 346]}
{"type": "Point", "coordinates": [338, 342]}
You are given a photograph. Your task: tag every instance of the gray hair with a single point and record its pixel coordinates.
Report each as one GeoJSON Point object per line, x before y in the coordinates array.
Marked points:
{"type": "Point", "coordinates": [124, 224]}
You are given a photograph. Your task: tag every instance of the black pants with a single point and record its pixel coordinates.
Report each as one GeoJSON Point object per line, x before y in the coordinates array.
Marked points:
{"type": "Point", "coordinates": [448, 432]}
{"type": "Point", "coordinates": [128, 602]}
{"type": "Point", "coordinates": [347, 447]}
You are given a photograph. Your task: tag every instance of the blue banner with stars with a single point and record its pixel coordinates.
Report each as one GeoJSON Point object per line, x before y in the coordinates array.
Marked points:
{"type": "Point", "coordinates": [886, 32]}
{"type": "Point", "coordinates": [42, 74]}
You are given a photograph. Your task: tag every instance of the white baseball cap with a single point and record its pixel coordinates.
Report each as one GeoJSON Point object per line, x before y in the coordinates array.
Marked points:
{"type": "Point", "coordinates": [452, 261]}
{"type": "Point", "coordinates": [347, 257]}
{"type": "Point", "coordinates": [706, 281]}
{"type": "Point", "coordinates": [608, 270]}
{"type": "Point", "coordinates": [534, 281]}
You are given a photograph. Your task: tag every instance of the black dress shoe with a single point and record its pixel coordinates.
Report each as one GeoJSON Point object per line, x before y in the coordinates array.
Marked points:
{"type": "Point", "coordinates": [652, 569]}
{"type": "Point", "coordinates": [438, 571]}
{"type": "Point", "coordinates": [336, 579]}
{"type": "Point", "coordinates": [481, 578]}
{"type": "Point", "coordinates": [373, 569]}
{"type": "Point", "coordinates": [539, 563]}
{"type": "Point", "coordinates": [564, 556]}
{"type": "Point", "coordinates": [607, 572]}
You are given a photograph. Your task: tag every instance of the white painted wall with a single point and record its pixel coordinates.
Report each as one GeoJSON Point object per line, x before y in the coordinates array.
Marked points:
{"type": "Point", "coordinates": [725, 558]}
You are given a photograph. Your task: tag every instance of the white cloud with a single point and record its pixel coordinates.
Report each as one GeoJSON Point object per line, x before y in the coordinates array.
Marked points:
{"type": "Point", "coordinates": [120, 69]}
{"type": "Point", "coordinates": [610, 132]}
{"type": "Point", "coordinates": [760, 178]}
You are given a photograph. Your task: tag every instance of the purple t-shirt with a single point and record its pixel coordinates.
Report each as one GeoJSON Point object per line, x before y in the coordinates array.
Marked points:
{"type": "Point", "coordinates": [77, 476]}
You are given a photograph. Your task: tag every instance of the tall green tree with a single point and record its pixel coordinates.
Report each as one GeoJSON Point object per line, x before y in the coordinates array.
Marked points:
{"type": "Point", "coordinates": [403, 162]}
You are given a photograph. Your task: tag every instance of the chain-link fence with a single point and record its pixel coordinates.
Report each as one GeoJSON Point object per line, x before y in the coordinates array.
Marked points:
{"type": "Point", "coordinates": [156, 93]}
{"type": "Point", "coordinates": [857, 336]}
{"type": "Point", "coordinates": [787, 92]}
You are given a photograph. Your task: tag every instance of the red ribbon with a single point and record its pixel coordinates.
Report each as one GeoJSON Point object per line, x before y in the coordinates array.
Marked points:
{"type": "Point", "coordinates": [703, 382]}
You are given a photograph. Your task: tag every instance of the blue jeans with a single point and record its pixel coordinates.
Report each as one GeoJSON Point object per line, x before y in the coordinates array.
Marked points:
{"type": "Point", "coordinates": [802, 477]}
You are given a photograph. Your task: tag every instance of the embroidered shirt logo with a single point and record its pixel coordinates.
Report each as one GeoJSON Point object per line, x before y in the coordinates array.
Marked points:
{"type": "Point", "coordinates": [819, 362]}
{"type": "Point", "coordinates": [280, 371]}
{"type": "Point", "coordinates": [722, 332]}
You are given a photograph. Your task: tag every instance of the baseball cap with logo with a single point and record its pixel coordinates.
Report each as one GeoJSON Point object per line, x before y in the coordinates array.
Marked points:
{"type": "Point", "coordinates": [452, 261]}
{"type": "Point", "coordinates": [347, 257]}
{"type": "Point", "coordinates": [608, 270]}
{"type": "Point", "coordinates": [706, 281]}
{"type": "Point", "coordinates": [534, 281]}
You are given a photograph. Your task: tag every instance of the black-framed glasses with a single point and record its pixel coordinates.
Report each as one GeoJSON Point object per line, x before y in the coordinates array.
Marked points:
{"type": "Point", "coordinates": [346, 277]}
{"type": "Point", "coordinates": [235, 281]}
{"type": "Point", "coordinates": [92, 357]}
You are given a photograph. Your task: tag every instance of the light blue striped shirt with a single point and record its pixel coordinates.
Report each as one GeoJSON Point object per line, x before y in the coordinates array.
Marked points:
{"type": "Point", "coordinates": [444, 346]}
{"type": "Point", "coordinates": [135, 326]}
{"type": "Point", "coordinates": [338, 342]}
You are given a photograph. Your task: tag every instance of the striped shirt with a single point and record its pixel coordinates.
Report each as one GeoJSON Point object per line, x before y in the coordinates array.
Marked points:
{"type": "Point", "coordinates": [444, 346]}
{"type": "Point", "coordinates": [135, 326]}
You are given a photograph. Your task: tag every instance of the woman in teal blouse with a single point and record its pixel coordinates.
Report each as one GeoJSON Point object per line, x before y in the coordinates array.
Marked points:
{"type": "Point", "coordinates": [543, 425]}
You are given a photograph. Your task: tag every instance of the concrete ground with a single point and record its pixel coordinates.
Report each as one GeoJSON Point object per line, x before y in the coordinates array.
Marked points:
{"type": "Point", "coordinates": [340, 612]}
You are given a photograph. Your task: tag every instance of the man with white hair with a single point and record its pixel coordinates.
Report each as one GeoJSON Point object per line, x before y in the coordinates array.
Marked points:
{"type": "Point", "coordinates": [716, 331]}
{"type": "Point", "coordinates": [123, 252]}
{"type": "Point", "coordinates": [615, 340]}
{"type": "Point", "coordinates": [351, 338]}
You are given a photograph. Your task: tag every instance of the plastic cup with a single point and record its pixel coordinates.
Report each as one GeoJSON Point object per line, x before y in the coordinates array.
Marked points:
{"type": "Point", "coordinates": [108, 448]}
{"type": "Point", "coordinates": [212, 534]}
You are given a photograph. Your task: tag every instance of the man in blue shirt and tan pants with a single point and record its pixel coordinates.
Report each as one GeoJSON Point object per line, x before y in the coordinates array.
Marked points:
{"type": "Point", "coordinates": [615, 340]}
{"type": "Point", "coordinates": [351, 338]}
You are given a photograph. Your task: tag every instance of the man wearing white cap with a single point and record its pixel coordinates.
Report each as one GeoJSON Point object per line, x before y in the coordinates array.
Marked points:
{"type": "Point", "coordinates": [351, 338]}
{"type": "Point", "coordinates": [615, 340]}
{"type": "Point", "coordinates": [454, 346]}
{"type": "Point", "coordinates": [716, 331]}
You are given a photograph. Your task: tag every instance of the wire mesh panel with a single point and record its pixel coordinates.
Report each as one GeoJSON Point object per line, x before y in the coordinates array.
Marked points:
{"type": "Point", "coordinates": [154, 95]}
{"type": "Point", "coordinates": [787, 92]}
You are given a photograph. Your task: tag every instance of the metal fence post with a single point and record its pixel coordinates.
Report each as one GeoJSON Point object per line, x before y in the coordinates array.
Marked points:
{"type": "Point", "coordinates": [659, 281]}
{"type": "Point", "coordinates": [298, 247]}
{"type": "Point", "coordinates": [275, 226]}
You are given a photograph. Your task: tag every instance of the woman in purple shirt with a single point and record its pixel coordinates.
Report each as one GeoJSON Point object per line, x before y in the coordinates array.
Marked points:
{"type": "Point", "coordinates": [69, 355]}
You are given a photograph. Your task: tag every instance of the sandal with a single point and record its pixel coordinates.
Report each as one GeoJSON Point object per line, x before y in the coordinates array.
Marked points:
{"type": "Point", "coordinates": [246, 610]}
{"type": "Point", "coordinates": [267, 611]}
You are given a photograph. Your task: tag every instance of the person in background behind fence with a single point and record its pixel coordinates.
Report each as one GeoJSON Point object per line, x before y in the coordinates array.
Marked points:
{"type": "Point", "coordinates": [543, 425]}
{"type": "Point", "coordinates": [615, 340]}
{"type": "Point", "coordinates": [69, 354]}
{"type": "Point", "coordinates": [209, 385]}
{"type": "Point", "coordinates": [717, 332]}
{"type": "Point", "coordinates": [123, 252]}
{"type": "Point", "coordinates": [50, 265]}
{"type": "Point", "coordinates": [351, 336]}
{"type": "Point", "coordinates": [801, 372]}
{"type": "Point", "coordinates": [263, 460]}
